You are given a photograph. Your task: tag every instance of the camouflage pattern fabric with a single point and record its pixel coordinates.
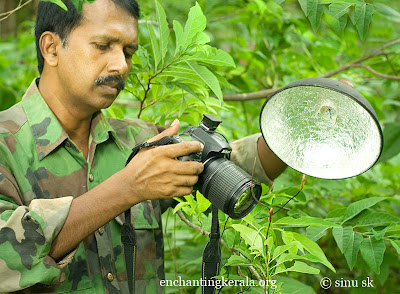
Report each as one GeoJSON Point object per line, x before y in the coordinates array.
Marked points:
{"type": "Point", "coordinates": [41, 171]}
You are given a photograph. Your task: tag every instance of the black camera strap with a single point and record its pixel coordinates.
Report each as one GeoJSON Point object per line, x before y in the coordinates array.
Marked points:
{"type": "Point", "coordinates": [128, 236]}
{"type": "Point", "coordinates": [211, 255]}
{"type": "Point", "coordinates": [163, 141]}
{"type": "Point", "coordinates": [128, 240]}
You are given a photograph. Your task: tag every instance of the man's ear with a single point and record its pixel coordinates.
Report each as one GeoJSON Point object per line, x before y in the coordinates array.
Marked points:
{"type": "Point", "coordinates": [49, 44]}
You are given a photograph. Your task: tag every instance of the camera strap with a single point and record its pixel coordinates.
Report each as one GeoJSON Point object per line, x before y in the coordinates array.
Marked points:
{"type": "Point", "coordinates": [128, 240]}
{"type": "Point", "coordinates": [128, 235]}
{"type": "Point", "coordinates": [163, 141]}
{"type": "Point", "coordinates": [211, 255]}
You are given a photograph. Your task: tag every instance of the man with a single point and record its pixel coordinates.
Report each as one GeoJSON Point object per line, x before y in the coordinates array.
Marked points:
{"type": "Point", "coordinates": [63, 183]}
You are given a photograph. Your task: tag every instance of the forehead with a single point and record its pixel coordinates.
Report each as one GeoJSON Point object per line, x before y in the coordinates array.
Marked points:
{"type": "Point", "coordinates": [104, 17]}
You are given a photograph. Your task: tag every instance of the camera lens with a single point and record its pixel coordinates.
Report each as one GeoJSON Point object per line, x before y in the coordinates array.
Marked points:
{"type": "Point", "coordinates": [229, 187]}
{"type": "Point", "coordinates": [245, 200]}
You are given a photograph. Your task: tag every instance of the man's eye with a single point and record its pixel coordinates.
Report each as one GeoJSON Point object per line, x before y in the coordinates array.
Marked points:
{"type": "Point", "coordinates": [102, 47]}
{"type": "Point", "coordinates": [128, 54]}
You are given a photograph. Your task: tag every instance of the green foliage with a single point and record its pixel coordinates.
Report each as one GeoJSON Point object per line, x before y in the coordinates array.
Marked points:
{"type": "Point", "coordinates": [61, 3]}
{"type": "Point", "coordinates": [185, 66]}
{"type": "Point", "coordinates": [184, 77]}
{"type": "Point", "coordinates": [17, 65]}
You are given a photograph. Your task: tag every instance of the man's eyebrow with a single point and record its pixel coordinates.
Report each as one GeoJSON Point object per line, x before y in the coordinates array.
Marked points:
{"type": "Point", "coordinates": [111, 39]}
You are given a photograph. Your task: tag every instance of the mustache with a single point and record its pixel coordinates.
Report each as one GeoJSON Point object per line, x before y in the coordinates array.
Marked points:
{"type": "Point", "coordinates": [112, 80]}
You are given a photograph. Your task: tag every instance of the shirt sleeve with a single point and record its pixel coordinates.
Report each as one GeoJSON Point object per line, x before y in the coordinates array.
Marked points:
{"type": "Point", "coordinates": [244, 151]}
{"type": "Point", "coordinates": [26, 234]}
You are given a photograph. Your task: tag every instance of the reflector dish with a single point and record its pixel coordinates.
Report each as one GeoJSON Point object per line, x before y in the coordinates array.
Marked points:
{"type": "Point", "coordinates": [322, 128]}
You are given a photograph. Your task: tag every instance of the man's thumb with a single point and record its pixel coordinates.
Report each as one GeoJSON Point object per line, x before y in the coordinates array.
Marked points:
{"type": "Point", "coordinates": [172, 130]}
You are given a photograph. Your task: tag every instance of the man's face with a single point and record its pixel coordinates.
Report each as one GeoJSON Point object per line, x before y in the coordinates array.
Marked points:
{"type": "Point", "coordinates": [95, 62]}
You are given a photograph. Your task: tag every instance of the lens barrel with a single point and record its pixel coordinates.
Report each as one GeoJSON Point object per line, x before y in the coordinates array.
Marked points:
{"type": "Point", "coordinates": [229, 187]}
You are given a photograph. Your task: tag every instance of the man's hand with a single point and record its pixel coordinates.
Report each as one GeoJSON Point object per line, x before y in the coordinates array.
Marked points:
{"type": "Point", "coordinates": [154, 173]}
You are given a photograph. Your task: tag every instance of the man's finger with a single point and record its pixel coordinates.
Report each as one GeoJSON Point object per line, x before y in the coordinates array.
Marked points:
{"type": "Point", "coordinates": [186, 167]}
{"type": "Point", "coordinates": [180, 149]}
{"type": "Point", "coordinates": [181, 191]}
{"type": "Point", "coordinates": [186, 181]}
{"type": "Point", "coordinates": [172, 130]}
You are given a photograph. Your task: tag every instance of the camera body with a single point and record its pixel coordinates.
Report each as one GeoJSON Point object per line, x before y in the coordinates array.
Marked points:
{"type": "Point", "coordinates": [226, 185]}
{"type": "Point", "coordinates": [215, 144]}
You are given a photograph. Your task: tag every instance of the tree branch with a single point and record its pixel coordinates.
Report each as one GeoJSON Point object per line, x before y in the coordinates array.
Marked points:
{"type": "Point", "coordinates": [379, 74]}
{"type": "Point", "coordinates": [352, 64]}
{"type": "Point", "coordinates": [249, 96]}
{"type": "Point", "coordinates": [5, 15]}
{"type": "Point", "coordinates": [267, 92]}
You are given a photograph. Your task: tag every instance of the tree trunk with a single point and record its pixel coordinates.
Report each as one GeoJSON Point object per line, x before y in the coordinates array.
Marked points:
{"type": "Point", "coordinates": [9, 25]}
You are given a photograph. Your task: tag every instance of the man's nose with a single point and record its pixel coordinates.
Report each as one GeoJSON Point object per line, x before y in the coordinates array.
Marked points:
{"type": "Point", "coordinates": [118, 63]}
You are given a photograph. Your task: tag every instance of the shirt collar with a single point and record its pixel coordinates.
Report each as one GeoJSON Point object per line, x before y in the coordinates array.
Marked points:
{"type": "Point", "coordinates": [48, 132]}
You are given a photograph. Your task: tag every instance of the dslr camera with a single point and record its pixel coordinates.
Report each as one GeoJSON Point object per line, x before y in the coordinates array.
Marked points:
{"type": "Point", "coordinates": [226, 185]}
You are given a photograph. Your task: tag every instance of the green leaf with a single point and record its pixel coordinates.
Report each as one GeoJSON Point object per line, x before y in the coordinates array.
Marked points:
{"type": "Point", "coordinates": [348, 243]}
{"type": "Point", "coordinates": [250, 236]}
{"type": "Point", "coordinates": [375, 219]}
{"type": "Point", "coordinates": [337, 17]}
{"type": "Point", "coordinates": [155, 47]}
{"type": "Point", "coordinates": [336, 213]}
{"type": "Point", "coordinates": [114, 112]}
{"type": "Point", "coordinates": [362, 17]}
{"type": "Point", "coordinates": [262, 6]}
{"type": "Point", "coordinates": [293, 286]}
{"type": "Point", "coordinates": [308, 5]}
{"type": "Point", "coordinates": [388, 12]}
{"type": "Point", "coordinates": [356, 207]}
{"type": "Point", "coordinates": [181, 71]}
{"type": "Point", "coordinates": [280, 249]}
{"type": "Point", "coordinates": [337, 10]}
{"type": "Point", "coordinates": [195, 23]}
{"type": "Point", "coordinates": [372, 251]}
{"type": "Point", "coordinates": [78, 4]}
{"type": "Point", "coordinates": [394, 229]}
{"type": "Point", "coordinates": [340, 24]}
{"type": "Point", "coordinates": [164, 29]}
{"type": "Point", "coordinates": [313, 10]}
{"type": "Point", "coordinates": [278, 1]}
{"type": "Point", "coordinates": [379, 234]}
{"type": "Point", "coordinates": [316, 232]}
{"type": "Point", "coordinates": [182, 107]}
{"type": "Point", "coordinates": [208, 77]}
{"type": "Point", "coordinates": [352, 248]}
{"type": "Point", "coordinates": [58, 2]}
{"type": "Point", "coordinates": [201, 39]}
{"type": "Point", "coordinates": [396, 245]}
{"type": "Point", "coordinates": [202, 202]}
{"type": "Point", "coordinates": [178, 36]}
{"type": "Point", "coordinates": [187, 89]}
{"type": "Point", "coordinates": [180, 205]}
{"type": "Point", "coordinates": [391, 136]}
{"type": "Point", "coordinates": [235, 260]}
{"type": "Point", "coordinates": [313, 249]}
{"type": "Point", "coordinates": [220, 58]}
{"type": "Point", "coordinates": [301, 267]}
{"type": "Point", "coordinates": [342, 236]}
{"type": "Point", "coordinates": [305, 221]}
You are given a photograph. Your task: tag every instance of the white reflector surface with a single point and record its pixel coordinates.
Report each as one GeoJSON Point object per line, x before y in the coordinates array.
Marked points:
{"type": "Point", "coordinates": [320, 132]}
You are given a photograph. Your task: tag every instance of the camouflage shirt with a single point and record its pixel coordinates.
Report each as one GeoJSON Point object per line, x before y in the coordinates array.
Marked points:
{"type": "Point", "coordinates": [42, 170]}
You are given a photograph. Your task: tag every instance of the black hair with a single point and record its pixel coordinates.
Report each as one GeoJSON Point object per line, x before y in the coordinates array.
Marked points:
{"type": "Point", "coordinates": [51, 17]}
